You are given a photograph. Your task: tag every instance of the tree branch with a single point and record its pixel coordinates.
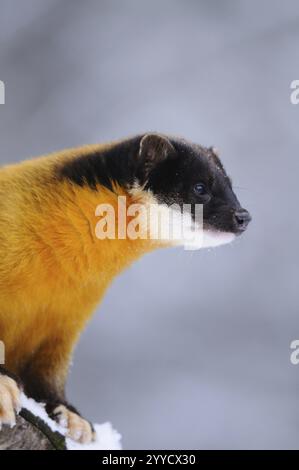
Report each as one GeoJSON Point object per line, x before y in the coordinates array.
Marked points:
{"type": "Point", "coordinates": [34, 430]}
{"type": "Point", "coordinates": [30, 433]}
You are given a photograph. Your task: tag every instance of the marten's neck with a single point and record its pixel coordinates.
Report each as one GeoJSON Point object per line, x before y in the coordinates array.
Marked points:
{"type": "Point", "coordinates": [68, 228]}
{"type": "Point", "coordinates": [57, 214]}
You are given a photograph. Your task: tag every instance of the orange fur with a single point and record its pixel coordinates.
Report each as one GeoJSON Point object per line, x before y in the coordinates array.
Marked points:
{"type": "Point", "coordinates": [53, 269]}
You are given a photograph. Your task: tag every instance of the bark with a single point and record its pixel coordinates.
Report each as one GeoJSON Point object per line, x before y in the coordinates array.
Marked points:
{"type": "Point", "coordinates": [30, 433]}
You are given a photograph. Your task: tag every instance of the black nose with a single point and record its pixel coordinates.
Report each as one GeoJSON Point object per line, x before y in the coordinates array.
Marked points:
{"type": "Point", "coordinates": [242, 219]}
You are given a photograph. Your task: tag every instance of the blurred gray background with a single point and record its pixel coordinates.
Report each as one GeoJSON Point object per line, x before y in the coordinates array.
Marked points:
{"type": "Point", "coordinates": [189, 349]}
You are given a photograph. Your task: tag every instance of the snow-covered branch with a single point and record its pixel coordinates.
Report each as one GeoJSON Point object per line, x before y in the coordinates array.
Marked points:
{"type": "Point", "coordinates": [34, 430]}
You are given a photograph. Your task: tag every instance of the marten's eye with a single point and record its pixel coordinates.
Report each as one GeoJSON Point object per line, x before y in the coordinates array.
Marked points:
{"type": "Point", "coordinates": [200, 189]}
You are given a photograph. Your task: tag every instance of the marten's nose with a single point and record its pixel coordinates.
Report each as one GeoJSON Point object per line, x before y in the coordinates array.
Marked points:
{"type": "Point", "coordinates": [242, 219]}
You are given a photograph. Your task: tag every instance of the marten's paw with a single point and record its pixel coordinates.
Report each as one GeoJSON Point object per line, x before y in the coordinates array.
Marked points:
{"type": "Point", "coordinates": [10, 400]}
{"type": "Point", "coordinates": [78, 428]}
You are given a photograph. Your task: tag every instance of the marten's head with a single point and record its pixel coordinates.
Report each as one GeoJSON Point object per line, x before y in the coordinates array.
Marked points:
{"type": "Point", "coordinates": [179, 172]}
{"type": "Point", "coordinates": [174, 172]}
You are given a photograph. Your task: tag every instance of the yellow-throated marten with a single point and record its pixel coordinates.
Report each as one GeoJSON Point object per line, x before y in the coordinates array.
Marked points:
{"type": "Point", "coordinates": [54, 269]}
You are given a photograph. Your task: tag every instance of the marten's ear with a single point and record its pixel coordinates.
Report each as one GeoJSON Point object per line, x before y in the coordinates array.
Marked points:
{"type": "Point", "coordinates": [214, 155]}
{"type": "Point", "coordinates": [153, 149]}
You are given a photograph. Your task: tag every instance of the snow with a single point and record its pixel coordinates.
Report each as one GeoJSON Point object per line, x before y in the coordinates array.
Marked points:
{"type": "Point", "coordinates": [107, 438]}
{"type": "Point", "coordinates": [38, 409]}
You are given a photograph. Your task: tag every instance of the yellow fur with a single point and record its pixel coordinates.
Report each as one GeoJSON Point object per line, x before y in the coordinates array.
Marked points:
{"type": "Point", "coordinates": [53, 269]}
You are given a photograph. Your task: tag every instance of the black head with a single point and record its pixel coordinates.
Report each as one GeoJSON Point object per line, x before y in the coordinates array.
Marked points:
{"type": "Point", "coordinates": [178, 172]}
{"type": "Point", "coordinates": [174, 171]}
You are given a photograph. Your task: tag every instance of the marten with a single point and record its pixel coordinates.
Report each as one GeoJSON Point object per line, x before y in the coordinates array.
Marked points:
{"type": "Point", "coordinates": [54, 269]}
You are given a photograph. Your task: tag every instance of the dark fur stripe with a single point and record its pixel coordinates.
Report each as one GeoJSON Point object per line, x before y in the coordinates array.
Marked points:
{"type": "Point", "coordinates": [117, 163]}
